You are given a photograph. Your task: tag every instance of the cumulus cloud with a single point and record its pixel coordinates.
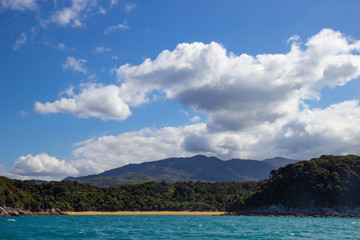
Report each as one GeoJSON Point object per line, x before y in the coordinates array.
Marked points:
{"type": "Point", "coordinates": [255, 106]}
{"type": "Point", "coordinates": [333, 130]}
{"type": "Point", "coordinates": [119, 27]}
{"type": "Point", "coordinates": [42, 165]}
{"type": "Point", "coordinates": [104, 102]}
{"type": "Point", "coordinates": [134, 147]}
{"type": "Point", "coordinates": [20, 5]}
{"type": "Point", "coordinates": [6, 172]}
{"type": "Point", "coordinates": [238, 92]}
{"type": "Point", "coordinates": [75, 64]}
{"type": "Point", "coordinates": [20, 41]}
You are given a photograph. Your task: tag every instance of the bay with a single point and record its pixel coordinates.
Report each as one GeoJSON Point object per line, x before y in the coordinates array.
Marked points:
{"type": "Point", "coordinates": [177, 227]}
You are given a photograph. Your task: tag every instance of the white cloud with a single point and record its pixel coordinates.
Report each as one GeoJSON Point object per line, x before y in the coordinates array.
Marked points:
{"type": "Point", "coordinates": [238, 92]}
{"type": "Point", "coordinates": [75, 64]}
{"type": "Point", "coordinates": [102, 10]}
{"type": "Point", "coordinates": [7, 172]}
{"type": "Point", "coordinates": [99, 101]}
{"type": "Point", "coordinates": [195, 119]}
{"type": "Point", "coordinates": [92, 76]}
{"type": "Point", "coordinates": [113, 3]}
{"type": "Point", "coordinates": [42, 165]}
{"type": "Point", "coordinates": [134, 147]}
{"type": "Point", "coordinates": [333, 130]}
{"type": "Point", "coordinates": [72, 15]}
{"type": "Point", "coordinates": [313, 133]}
{"type": "Point", "coordinates": [61, 46]}
{"type": "Point", "coordinates": [254, 105]}
{"type": "Point", "coordinates": [23, 113]}
{"type": "Point", "coordinates": [293, 39]}
{"type": "Point", "coordinates": [20, 5]}
{"type": "Point", "coordinates": [102, 49]}
{"type": "Point", "coordinates": [130, 7]}
{"type": "Point", "coordinates": [20, 41]}
{"type": "Point", "coordinates": [66, 16]}
{"type": "Point", "coordinates": [121, 26]}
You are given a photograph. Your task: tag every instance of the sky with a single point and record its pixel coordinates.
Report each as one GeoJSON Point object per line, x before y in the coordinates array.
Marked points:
{"type": "Point", "coordinates": [90, 85]}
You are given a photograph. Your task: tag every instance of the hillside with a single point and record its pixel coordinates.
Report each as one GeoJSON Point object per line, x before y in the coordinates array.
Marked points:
{"type": "Point", "coordinates": [150, 196]}
{"type": "Point", "coordinates": [186, 169]}
{"type": "Point", "coordinates": [325, 182]}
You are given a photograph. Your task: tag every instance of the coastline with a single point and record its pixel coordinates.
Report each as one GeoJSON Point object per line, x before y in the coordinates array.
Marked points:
{"type": "Point", "coordinates": [146, 213]}
{"type": "Point", "coordinates": [11, 212]}
{"type": "Point", "coordinates": [270, 211]}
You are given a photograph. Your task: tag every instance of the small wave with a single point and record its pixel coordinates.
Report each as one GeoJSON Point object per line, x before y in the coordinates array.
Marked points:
{"type": "Point", "coordinates": [11, 220]}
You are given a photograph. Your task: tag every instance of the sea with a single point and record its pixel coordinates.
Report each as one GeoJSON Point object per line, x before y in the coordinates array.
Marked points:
{"type": "Point", "coordinates": [177, 227]}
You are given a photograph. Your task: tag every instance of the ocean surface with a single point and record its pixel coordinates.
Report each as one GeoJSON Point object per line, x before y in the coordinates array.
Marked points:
{"type": "Point", "coordinates": [177, 227]}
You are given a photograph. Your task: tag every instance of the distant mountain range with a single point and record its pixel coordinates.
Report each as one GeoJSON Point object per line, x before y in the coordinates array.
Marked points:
{"type": "Point", "coordinates": [194, 168]}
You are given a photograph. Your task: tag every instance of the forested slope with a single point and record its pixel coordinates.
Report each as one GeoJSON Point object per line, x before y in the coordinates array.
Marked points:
{"type": "Point", "coordinates": [75, 196]}
{"type": "Point", "coordinates": [327, 182]}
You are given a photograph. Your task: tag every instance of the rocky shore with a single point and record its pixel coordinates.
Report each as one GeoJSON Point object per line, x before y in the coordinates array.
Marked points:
{"type": "Point", "coordinates": [12, 212]}
{"type": "Point", "coordinates": [276, 210]}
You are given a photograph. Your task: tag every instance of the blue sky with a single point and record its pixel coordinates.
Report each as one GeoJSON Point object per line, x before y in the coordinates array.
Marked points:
{"type": "Point", "coordinates": [89, 85]}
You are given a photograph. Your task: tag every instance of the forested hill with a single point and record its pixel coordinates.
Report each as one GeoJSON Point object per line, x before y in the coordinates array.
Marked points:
{"type": "Point", "coordinates": [327, 182]}
{"type": "Point", "coordinates": [150, 196]}
{"type": "Point", "coordinates": [193, 168]}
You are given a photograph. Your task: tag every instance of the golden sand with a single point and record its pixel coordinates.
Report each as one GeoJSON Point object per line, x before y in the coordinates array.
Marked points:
{"type": "Point", "coordinates": [146, 213]}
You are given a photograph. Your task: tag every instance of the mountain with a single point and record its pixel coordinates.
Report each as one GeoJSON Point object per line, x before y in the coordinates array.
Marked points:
{"type": "Point", "coordinates": [194, 168]}
{"type": "Point", "coordinates": [277, 162]}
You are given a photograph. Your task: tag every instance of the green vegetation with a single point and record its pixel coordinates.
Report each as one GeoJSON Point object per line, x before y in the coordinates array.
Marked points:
{"type": "Point", "coordinates": [130, 178]}
{"type": "Point", "coordinates": [75, 196]}
{"type": "Point", "coordinates": [328, 181]}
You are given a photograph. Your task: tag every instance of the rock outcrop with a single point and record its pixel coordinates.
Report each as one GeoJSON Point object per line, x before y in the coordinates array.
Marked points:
{"type": "Point", "coordinates": [12, 212]}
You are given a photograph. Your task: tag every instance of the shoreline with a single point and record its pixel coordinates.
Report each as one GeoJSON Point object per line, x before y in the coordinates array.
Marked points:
{"type": "Point", "coordinates": [270, 211]}
{"type": "Point", "coordinates": [248, 214]}
{"type": "Point", "coordinates": [88, 213]}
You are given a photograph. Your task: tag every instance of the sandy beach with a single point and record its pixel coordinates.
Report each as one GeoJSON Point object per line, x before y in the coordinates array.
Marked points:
{"type": "Point", "coordinates": [147, 213]}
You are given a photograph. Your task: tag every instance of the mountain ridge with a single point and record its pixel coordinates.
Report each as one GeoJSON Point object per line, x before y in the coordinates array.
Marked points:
{"type": "Point", "coordinates": [198, 167]}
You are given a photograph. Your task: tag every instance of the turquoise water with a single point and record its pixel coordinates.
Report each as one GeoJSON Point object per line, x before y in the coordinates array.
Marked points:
{"type": "Point", "coordinates": [177, 227]}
